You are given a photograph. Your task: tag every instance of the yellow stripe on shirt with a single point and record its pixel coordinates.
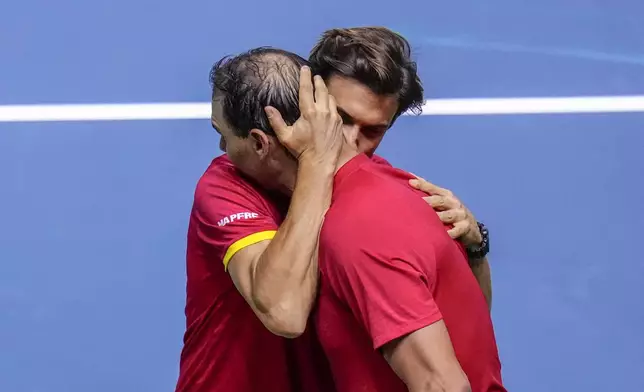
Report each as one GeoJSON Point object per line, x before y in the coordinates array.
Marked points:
{"type": "Point", "coordinates": [247, 241]}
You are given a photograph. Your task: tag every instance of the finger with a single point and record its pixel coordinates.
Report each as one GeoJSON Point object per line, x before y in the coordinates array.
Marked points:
{"type": "Point", "coordinates": [440, 203]}
{"type": "Point", "coordinates": [307, 103]}
{"type": "Point", "coordinates": [321, 93]}
{"type": "Point", "coordinates": [277, 122]}
{"type": "Point", "coordinates": [459, 230]}
{"type": "Point", "coordinates": [427, 187]}
{"type": "Point", "coordinates": [452, 216]}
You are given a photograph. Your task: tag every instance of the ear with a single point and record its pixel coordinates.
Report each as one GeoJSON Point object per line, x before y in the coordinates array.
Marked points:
{"type": "Point", "coordinates": [261, 143]}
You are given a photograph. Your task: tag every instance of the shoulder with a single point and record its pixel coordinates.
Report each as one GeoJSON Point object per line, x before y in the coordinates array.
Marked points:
{"type": "Point", "coordinates": [375, 208]}
{"type": "Point", "coordinates": [376, 187]}
{"type": "Point", "coordinates": [227, 207]}
{"type": "Point", "coordinates": [380, 160]}
{"type": "Point", "coordinates": [229, 213]}
{"type": "Point", "coordinates": [222, 190]}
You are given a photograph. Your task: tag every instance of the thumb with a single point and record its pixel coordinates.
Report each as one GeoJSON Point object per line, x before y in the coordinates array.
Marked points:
{"type": "Point", "coordinates": [277, 122]}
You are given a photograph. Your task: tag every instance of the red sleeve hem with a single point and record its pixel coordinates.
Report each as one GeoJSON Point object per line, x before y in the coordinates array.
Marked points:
{"type": "Point", "coordinates": [406, 329]}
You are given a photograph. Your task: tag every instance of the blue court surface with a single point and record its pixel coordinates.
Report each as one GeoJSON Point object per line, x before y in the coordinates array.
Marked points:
{"type": "Point", "coordinates": [93, 214]}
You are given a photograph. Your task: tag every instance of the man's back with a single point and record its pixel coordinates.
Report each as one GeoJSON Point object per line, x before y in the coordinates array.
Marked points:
{"type": "Point", "coordinates": [389, 268]}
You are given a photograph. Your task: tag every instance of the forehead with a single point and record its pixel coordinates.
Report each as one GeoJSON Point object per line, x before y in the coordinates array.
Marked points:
{"type": "Point", "coordinates": [218, 119]}
{"type": "Point", "coordinates": [217, 112]}
{"type": "Point", "coordinates": [362, 104]}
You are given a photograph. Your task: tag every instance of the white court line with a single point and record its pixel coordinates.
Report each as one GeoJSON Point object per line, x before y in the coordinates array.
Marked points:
{"type": "Point", "coordinates": [434, 107]}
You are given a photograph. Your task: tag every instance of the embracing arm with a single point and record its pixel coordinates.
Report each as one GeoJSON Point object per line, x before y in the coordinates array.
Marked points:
{"type": "Point", "coordinates": [465, 228]}
{"type": "Point", "coordinates": [278, 278]}
{"type": "Point", "coordinates": [481, 270]}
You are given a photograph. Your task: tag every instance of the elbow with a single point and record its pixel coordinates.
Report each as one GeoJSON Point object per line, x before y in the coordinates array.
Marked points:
{"type": "Point", "coordinates": [286, 315]}
{"type": "Point", "coordinates": [261, 303]}
{"type": "Point", "coordinates": [286, 318]}
{"type": "Point", "coordinates": [286, 327]}
{"type": "Point", "coordinates": [288, 331]}
{"type": "Point", "coordinates": [269, 302]}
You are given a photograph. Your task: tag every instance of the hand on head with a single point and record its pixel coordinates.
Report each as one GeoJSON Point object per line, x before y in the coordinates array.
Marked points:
{"type": "Point", "coordinates": [318, 134]}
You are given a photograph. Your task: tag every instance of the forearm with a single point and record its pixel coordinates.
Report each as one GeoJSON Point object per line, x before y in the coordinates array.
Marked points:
{"type": "Point", "coordinates": [285, 276]}
{"type": "Point", "coordinates": [481, 270]}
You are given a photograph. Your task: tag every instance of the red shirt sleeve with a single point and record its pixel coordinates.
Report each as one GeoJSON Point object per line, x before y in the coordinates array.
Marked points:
{"type": "Point", "coordinates": [229, 215]}
{"type": "Point", "coordinates": [384, 276]}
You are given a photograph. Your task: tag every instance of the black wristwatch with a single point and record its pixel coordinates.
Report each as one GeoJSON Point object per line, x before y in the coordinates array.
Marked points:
{"type": "Point", "coordinates": [480, 251]}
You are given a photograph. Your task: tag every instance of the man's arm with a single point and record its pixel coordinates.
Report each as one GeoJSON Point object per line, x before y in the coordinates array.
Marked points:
{"type": "Point", "coordinates": [278, 278]}
{"type": "Point", "coordinates": [465, 228]}
{"type": "Point", "coordinates": [426, 362]}
{"type": "Point", "coordinates": [481, 270]}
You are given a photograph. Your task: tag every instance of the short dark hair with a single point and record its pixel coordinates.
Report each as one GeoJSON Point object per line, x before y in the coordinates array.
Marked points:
{"type": "Point", "coordinates": [374, 56]}
{"type": "Point", "coordinates": [249, 82]}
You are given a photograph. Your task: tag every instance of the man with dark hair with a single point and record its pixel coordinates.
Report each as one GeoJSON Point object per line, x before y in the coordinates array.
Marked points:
{"type": "Point", "coordinates": [370, 73]}
{"type": "Point", "coordinates": [398, 306]}
{"type": "Point", "coordinates": [377, 58]}
{"type": "Point", "coordinates": [242, 218]}
{"type": "Point", "coordinates": [241, 298]}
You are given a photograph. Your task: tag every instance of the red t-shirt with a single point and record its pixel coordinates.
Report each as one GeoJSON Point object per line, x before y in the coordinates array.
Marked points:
{"type": "Point", "coordinates": [226, 347]}
{"type": "Point", "coordinates": [388, 268]}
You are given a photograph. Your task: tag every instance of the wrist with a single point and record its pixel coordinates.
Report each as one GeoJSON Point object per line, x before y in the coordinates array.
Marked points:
{"type": "Point", "coordinates": [324, 160]}
{"type": "Point", "coordinates": [313, 186]}
{"type": "Point", "coordinates": [479, 251]}
{"type": "Point", "coordinates": [321, 169]}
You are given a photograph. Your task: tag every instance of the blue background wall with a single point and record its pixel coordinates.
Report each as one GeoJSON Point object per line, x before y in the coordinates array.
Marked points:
{"type": "Point", "coordinates": [93, 215]}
